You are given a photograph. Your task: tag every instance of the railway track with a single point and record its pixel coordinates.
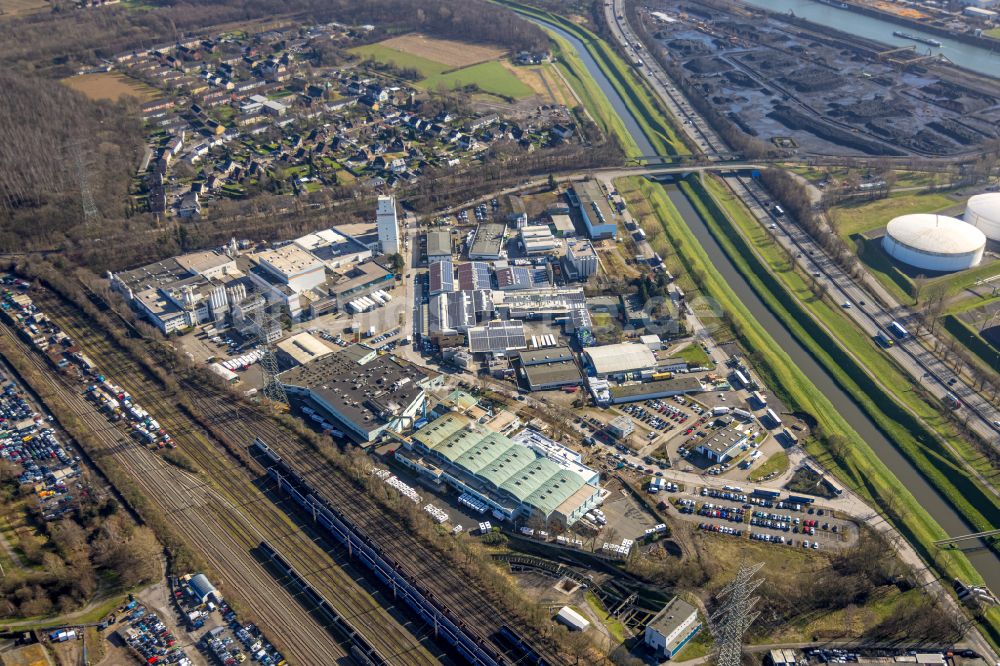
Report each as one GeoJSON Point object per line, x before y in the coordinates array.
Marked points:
{"type": "Point", "coordinates": [471, 606]}
{"type": "Point", "coordinates": [243, 513]}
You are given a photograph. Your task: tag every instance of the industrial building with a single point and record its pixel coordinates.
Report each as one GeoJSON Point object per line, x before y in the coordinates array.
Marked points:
{"type": "Point", "coordinates": [983, 212]}
{"type": "Point", "coordinates": [441, 277]}
{"type": "Point", "coordinates": [621, 360]}
{"type": "Point", "coordinates": [538, 239]}
{"type": "Point", "coordinates": [510, 478]}
{"type": "Point", "coordinates": [581, 260]}
{"type": "Point", "coordinates": [356, 282]}
{"type": "Point", "coordinates": [360, 392]}
{"type": "Point", "coordinates": [300, 349]}
{"type": "Point", "coordinates": [934, 242]}
{"type": "Point", "coordinates": [497, 338]}
{"type": "Point", "coordinates": [184, 291]}
{"type": "Point", "coordinates": [671, 628]}
{"type": "Point", "coordinates": [438, 246]}
{"type": "Point", "coordinates": [388, 225]}
{"type": "Point", "coordinates": [336, 250]}
{"type": "Point", "coordinates": [725, 443]}
{"type": "Point", "coordinates": [588, 199]}
{"type": "Point", "coordinates": [488, 242]}
{"type": "Point", "coordinates": [449, 316]}
{"type": "Point", "coordinates": [549, 368]}
{"type": "Point", "coordinates": [473, 275]}
{"type": "Point", "coordinates": [662, 388]}
{"type": "Point", "coordinates": [203, 590]}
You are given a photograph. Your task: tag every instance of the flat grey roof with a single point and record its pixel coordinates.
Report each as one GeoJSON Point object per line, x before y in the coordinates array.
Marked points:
{"type": "Point", "coordinates": [562, 372]}
{"type": "Point", "coordinates": [547, 355]}
{"type": "Point", "coordinates": [488, 241]}
{"type": "Point", "coordinates": [438, 243]}
{"type": "Point", "coordinates": [365, 395]}
{"type": "Point", "coordinates": [675, 613]}
{"type": "Point", "coordinates": [686, 384]}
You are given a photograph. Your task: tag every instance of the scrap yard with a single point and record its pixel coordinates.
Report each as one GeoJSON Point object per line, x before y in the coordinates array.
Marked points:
{"type": "Point", "coordinates": [798, 86]}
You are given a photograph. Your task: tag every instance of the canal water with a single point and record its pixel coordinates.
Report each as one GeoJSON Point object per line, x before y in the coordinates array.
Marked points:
{"type": "Point", "coordinates": [964, 55]}
{"type": "Point", "coordinates": [985, 561]}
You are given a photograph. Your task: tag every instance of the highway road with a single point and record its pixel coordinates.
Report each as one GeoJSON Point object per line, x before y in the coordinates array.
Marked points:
{"type": "Point", "coordinates": [924, 367]}
{"type": "Point", "coordinates": [912, 354]}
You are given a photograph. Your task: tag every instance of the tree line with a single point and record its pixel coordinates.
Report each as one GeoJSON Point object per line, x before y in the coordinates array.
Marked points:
{"type": "Point", "coordinates": [66, 37]}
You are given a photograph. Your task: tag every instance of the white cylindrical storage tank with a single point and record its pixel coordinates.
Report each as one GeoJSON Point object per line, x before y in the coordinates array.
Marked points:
{"type": "Point", "coordinates": [983, 212]}
{"type": "Point", "coordinates": [934, 242]}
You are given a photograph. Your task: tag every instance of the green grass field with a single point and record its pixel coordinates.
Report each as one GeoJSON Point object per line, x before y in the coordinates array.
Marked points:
{"type": "Point", "coordinates": [399, 59]}
{"type": "Point", "coordinates": [776, 464]}
{"type": "Point", "coordinates": [865, 216]}
{"type": "Point", "coordinates": [858, 466]}
{"type": "Point", "coordinates": [491, 77]}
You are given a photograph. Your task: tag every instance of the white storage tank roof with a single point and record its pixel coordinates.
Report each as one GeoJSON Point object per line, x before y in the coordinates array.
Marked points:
{"type": "Point", "coordinates": [934, 242]}
{"type": "Point", "coordinates": [983, 212]}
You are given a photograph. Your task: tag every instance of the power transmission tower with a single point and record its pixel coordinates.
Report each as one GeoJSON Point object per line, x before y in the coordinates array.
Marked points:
{"type": "Point", "coordinates": [86, 197]}
{"type": "Point", "coordinates": [737, 613]}
{"type": "Point", "coordinates": [264, 323]}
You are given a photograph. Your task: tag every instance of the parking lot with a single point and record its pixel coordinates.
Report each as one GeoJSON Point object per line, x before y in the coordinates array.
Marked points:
{"type": "Point", "coordinates": [788, 523]}
{"type": "Point", "coordinates": [29, 440]}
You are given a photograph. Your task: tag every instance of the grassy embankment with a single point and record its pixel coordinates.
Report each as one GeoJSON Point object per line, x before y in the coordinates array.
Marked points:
{"type": "Point", "coordinates": [857, 465]}
{"type": "Point", "coordinates": [903, 415]}
{"type": "Point", "coordinates": [591, 96]}
{"type": "Point", "coordinates": [920, 434]}
{"type": "Point", "coordinates": [635, 93]}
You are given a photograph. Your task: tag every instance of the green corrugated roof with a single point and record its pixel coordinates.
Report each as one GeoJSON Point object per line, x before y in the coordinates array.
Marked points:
{"type": "Point", "coordinates": [557, 489]}
{"type": "Point", "coordinates": [496, 458]}
{"type": "Point", "coordinates": [440, 429]}
{"type": "Point", "coordinates": [461, 399]}
{"type": "Point", "coordinates": [530, 478]}
{"type": "Point", "coordinates": [462, 444]}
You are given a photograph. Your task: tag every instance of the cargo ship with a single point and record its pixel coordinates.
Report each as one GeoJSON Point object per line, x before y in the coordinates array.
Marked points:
{"type": "Point", "coordinates": [915, 38]}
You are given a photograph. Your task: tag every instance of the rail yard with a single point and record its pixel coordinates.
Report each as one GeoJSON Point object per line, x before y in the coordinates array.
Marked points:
{"type": "Point", "coordinates": [225, 516]}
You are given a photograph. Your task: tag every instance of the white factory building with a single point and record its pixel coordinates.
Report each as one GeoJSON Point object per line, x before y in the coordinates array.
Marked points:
{"type": "Point", "coordinates": [983, 212]}
{"type": "Point", "coordinates": [581, 259]}
{"type": "Point", "coordinates": [617, 361]}
{"type": "Point", "coordinates": [934, 242]}
{"type": "Point", "coordinates": [388, 225]}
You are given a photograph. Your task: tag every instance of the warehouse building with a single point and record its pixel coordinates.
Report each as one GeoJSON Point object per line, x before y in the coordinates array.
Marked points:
{"type": "Point", "coordinates": [512, 479]}
{"type": "Point", "coordinates": [441, 277]}
{"type": "Point", "coordinates": [438, 246]}
{"type": "Point", "coordinates": [538, 239]}
{"type": "Point", "coordinates": [549, 368]}
{"type": "Point", "coordinates": [360, 392]}
{"type": "Point", "coordinates": [488, 242]}
{"type": "Point", "coordinates": [620, 361]}
{"type": "Point", "coordinates": [473, 275]}
{"type": "Point", "coordinates": [300, 349]}
{"type": "Point", "coordinates": [662, 388]}
{"type": "Point", "coordinates": [671, 628]}
{"type": "Point", "coordinates": [588, 199]}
